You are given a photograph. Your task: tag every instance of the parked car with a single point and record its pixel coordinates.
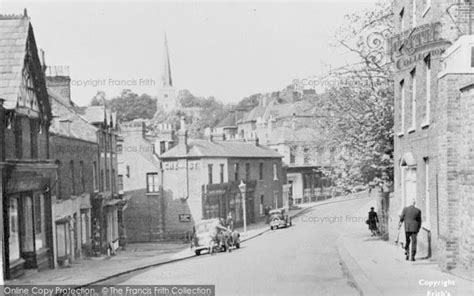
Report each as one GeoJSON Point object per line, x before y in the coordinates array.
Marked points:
{"type": "Point", "coordinates": [278, 219]}
{"type": "Point", "coordinates": [210, 235]}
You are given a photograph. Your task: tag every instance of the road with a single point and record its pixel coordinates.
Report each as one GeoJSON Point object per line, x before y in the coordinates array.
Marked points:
{"type": "Point", "coordinates": [300, 260]}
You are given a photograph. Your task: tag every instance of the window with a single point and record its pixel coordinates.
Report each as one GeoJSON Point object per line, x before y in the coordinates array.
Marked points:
{"type": "Point", "coordinates": [40, 223]}
{"type": "Point", "coordinates": [472, 57]}
{"type": "Point", "coordinates": [222, 173]}
{"type": "Point", "coordinates": [112, 177]}
{"type": "Point", "coordinates": [94, 175]}
{"type": "Point", "coordinates": [261, 208]}
{"type": "Point", "coordinates": [413, 99]}
{"type": "Point", "coordinates": [275, 172]}
{"type": "Point", "coordinates": [427, 212]}
{"type": "Point", "coordinates": [260, 173]}
{"type": "Point", "coordinates": [34, 138]}
{"type": "Point", "coordinates": [119, 148]}
{"type": "Point", "coordinates": [120, 182]}
{"type": "Point", "coordinates": [128, 171]}
{"type": "Point", "coordinates": [292, 156]}
{"type": "Point", "coordinates": [102, 183]}
{"type": "Point", "coordinates": [27, 227]}
{"type": "Point", "coordinates": [247, 171]}
{"type": "Point", "coordinates": [82, 177]}
{"type": "Point", "coordinates": [428, 88]}
{"type": "Point", "coordinates": [18, 139]}
{"type": "Point", "coordinates": [73, 178]}
{"type": "Point", "coordinates": [162, 147]}
{"type": "Point", "coordinates": [413, 13]}
{"type": "Point", "coordinates": [209, 173]}
{"type": "Point", "coordinates": [306, 155]}
{"type": "Point", "coordinates": [236, 171]}
{"type": "Point", "coordinates": [107, 179]}
{"type": "Point", "coordinates": [402, 19]}
{"type": "Point", "coordinates": [84, 224]}
{"type": "Point", "coordinates": [14, 235]}
{"type": "Point", "coordinates": [402, 106]}
{"type": "Point", "coordinates": [152, 183]}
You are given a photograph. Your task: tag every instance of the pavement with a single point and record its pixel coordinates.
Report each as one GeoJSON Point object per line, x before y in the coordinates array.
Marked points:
{"type": "Point", "coordinates": [379, 267]}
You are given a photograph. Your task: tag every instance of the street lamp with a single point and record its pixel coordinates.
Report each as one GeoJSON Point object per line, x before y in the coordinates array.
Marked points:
{"type": "Point", "coordinates": [242, 188]}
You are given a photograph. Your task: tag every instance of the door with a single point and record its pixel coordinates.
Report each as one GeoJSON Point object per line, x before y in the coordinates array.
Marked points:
{"type": "Point", "coordinates": [410, 186]}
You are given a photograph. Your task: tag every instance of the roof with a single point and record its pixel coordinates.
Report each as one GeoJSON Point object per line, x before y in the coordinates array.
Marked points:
{"type": "Point", "coordinates": [14, 34]}
{"type": "Point", "coordinates": [224, 149]}
{"type": "Point", "coordinates": [255, 113]}
{"type": "Point", "coordinates": [287, 134]}
{"type": "Point", "coordinates": [229, 121]}
{"type": "Point", "coordinates": [300, 108]}
{"type": "Point", "coordinates": [97, 114]}
{"type": "Point", "coordinates": [79, 129]}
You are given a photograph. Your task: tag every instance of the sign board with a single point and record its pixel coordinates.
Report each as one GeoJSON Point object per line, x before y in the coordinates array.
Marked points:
{"type": "Point", "coordinates": [177, 165]}
{"type": "Point", "coordinates": [184, 218]}
{"type": "Point", "coordinates": [411, 46]}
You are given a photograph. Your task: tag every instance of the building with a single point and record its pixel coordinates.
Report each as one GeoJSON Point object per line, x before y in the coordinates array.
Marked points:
{"type": "Point", "coordinates": [107, 203]}
{"type": "Point", "coordinates": [433, 57]}
{"type": "Point", "coordinates": [290, 128]}
{"type": "Point", "coordinates": [27, 173]}
{"type": "Point", "coordinates": [200, 180]}
{"type": "Point", "coordinates": [139, 178]}
{"type": "Point", "coordinates": [74, 147]}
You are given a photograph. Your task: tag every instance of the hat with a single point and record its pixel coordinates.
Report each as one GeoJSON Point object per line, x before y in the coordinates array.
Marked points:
{"type": "Point", "coordinates": [371, 208]}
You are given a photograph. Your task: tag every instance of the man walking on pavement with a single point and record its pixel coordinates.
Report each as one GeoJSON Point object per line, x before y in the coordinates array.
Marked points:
{"type": "Point", "coordinates": [411, 215]}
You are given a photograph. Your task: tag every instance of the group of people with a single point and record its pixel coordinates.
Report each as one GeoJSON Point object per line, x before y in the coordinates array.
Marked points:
{"type": "Point", "coordinates": [411, 217]}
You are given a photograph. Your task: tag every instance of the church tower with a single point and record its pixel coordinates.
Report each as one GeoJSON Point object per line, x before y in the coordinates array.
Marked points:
{"type": "Point", "coordinates": [166, 99]}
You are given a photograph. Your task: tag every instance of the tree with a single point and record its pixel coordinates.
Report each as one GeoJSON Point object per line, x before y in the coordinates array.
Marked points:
{"type": "Point", "coordinates": [359, 105]}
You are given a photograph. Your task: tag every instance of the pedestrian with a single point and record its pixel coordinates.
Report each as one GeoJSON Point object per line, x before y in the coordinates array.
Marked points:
{"type": "Point", "coordinates": [230, 221]}
{"type": "Point", "coordinates": [373, 220]}
{"type": "Point", "coordinates": [411, 216]}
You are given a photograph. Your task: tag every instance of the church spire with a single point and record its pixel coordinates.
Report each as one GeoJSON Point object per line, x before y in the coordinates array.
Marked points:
{"type": "Point", "coordinates": [167, 81]}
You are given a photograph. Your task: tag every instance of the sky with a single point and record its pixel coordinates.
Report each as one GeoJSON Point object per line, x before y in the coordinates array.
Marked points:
{"type": "Point", "coordinates": [228, 50]}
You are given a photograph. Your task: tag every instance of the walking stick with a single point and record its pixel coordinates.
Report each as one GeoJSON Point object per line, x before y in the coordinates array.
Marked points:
{"type": "Point", "coordinates": [398, 236]}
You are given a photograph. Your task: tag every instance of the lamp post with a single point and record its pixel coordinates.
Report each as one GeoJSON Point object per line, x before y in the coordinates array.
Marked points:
{"type": "Point", "coordinates": [242, 188]}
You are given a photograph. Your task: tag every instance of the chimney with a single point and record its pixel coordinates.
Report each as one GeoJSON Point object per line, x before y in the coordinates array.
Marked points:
{"type": "Point", "coordinates": [182, 138]}
{"type": "Point", "coordinates": [65, 126]}
{"type": "Point", "coordinates": [57, 79]}
{"type": "Point", "coordinates": [43, 61]}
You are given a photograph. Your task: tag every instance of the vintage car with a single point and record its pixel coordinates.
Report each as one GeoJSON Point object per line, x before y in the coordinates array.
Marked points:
{"type": "Point", "coordinates": [278, 219]}
{"type": "Point", "coordinates": [211, 236]}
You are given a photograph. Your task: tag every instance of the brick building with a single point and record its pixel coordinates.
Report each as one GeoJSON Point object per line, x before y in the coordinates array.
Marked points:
{"type": "Point", "coordinates": [200, 180]}
{"type": "Point", "coordinates": [432, 54]}
{"type": "Point", "coordinates": [107, 203]}
{"type": "Point", "coordinates": [27, 173]}
{"type": "Point", "coordinates": [74, 147]}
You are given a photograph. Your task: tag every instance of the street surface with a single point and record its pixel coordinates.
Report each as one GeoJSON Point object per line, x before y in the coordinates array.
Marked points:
{"type": "Point", "coordinates": [300, 260]}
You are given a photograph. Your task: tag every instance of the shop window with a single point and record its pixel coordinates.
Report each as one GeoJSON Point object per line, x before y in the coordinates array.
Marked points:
{"type": "Point", "coordinates": [27, 239]}
{"type": "Point", "coordinates": [62, 240]}
{"type": "Point", "coordinates": [152, 182]}
{"type": "Point", "coordinates": [14, 239]}
{"type": "Point", "coordinates": [84, 228]}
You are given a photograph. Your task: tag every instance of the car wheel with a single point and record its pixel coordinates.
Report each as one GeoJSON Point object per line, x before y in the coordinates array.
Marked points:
{"type": "Point", "coordinates": [198, 252]}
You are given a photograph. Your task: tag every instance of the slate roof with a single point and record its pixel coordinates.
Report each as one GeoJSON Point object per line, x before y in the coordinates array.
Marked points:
{"type": "Point", "coordinates": [95, 114]}
{"type": "Point", "coordinates": [229, 121]}
{"type": "Point", "coordinates": [79, 129]}
{"type": "Point", "coordinates": [255, 113]}
{"type": "Point", "coordinates": [224, 149]}
{"type": "Point", "coordinates": [13, 38]}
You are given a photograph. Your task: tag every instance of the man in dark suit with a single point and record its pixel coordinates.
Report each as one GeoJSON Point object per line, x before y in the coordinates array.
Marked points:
{"type": "Point", "coordinates": [412, 217]}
